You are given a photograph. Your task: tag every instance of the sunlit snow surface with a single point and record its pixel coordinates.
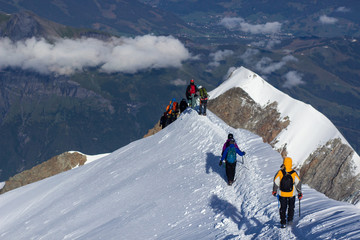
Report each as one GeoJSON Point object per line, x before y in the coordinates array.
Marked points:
{"type": "Point", "coordinates": [170, 186]}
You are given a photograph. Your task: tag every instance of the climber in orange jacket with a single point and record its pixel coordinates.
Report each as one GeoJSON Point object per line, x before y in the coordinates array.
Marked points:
{"type": "Point", "coordinates": [172, 111]}
{"type": "Point", "coordinates": [286, 181]}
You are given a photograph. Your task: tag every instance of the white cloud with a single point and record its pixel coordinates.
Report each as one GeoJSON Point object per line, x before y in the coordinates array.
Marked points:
{"type": "Point", "coordinates": [248, 55]}
{"type": "Point", "coordinates": [231, 22]}
{"type": "Point", "coordinates": [327, 20]}
{"type": "Point", "coordinates": [240, 24]}
{"type": "Point", "coordinates": [267, 28]}
{"type": "Point", "coordinates": [271, 43]}
{"type": "Point", "coordinates": [219, 56]}
{"type": "Point", "coordinates": [267, 66]}
{"type": "Point", "coordinates": [293, 78]}
{"type": "Point", "coordinates": [268, 43]}
{"type": "Point", "coordinates": [66, 56]}
{"type": "Point", "coordinates": [342, 9]}
{"type": "Point", "coordinates": [178, 82]}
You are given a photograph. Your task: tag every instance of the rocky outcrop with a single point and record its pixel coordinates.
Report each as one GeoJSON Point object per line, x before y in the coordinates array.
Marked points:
{"type": "Point", "coordinates": [154, 130]}
{"type": "Point", "coordinates": [55, 165]}
{"type": "Point", "coordinates": [328, 170]}
{"type": "Point", "coordinates": [239, 110]}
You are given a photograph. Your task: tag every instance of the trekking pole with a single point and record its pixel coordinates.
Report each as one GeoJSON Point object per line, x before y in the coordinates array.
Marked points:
{"type": "Point", "coordinates": [278, 198]}
{"type": "Point", "coordinates": [299, 207]}
{"type": "Point", "coordinates": [242, 157]}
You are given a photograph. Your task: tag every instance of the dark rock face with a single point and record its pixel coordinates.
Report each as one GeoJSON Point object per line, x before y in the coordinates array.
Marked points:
{"type": "Point", "coordinates": [22, 25]}
{"type": "Point", "coordinates": [328, 170]}
{"type": "Point", "coordinates": [55, 165]}
{"type": "Point", "coordinates": [238, 110]}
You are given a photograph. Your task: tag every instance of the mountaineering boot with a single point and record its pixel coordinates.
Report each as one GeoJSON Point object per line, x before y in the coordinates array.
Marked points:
{"type": "Point", "coordinates": [283, 226]}
{"type": "Point", "coordinates": [230, 183]}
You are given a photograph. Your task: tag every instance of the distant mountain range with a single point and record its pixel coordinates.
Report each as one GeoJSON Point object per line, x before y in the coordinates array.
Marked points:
{"type": "Point", "coordinates": [298, 18]}
{"type": "Point", "coordinates": [308, 57]}
{"type": "Point", "coordinates": [116, 17]}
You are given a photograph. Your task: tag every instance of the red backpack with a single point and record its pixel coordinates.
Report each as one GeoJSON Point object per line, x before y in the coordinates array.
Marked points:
{"type": "Point", "coordinates": [192, 89]}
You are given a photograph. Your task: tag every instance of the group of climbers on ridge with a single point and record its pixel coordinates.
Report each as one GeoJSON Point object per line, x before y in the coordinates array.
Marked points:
{"type": "Point", "coordinates": [193, 92]}
{"type": "Point", "coordinates": [173, 110]}
{"type": "Point", "coordinates": [171, 113]}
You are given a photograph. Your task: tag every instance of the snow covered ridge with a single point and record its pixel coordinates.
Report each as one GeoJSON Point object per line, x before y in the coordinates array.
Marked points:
{"type": "Point", "coordinates": [170, 186]}
{"type": "Point", "coordinates": [310, 138]}
{"type": "Point", "coordinates": [308, 130]}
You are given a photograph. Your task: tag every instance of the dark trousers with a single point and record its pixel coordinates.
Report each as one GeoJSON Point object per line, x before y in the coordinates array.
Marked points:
{"type": "Point", "coordinates": [202, 107]}
{"type": "Point", "coordinates": [286, 203]}
{"type": "Point", "coordinates": [230, 171]}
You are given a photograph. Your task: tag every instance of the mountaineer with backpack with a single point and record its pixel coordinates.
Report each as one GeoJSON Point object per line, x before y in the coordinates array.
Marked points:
{"type": "Point", "coordinates": [163, 120]}
{"type": "Point", "coordinates": [183, 105]}
{"type": "Point", "coordinates": [227, 143]}
{"type": "Point", "coordinates": [172, 111]}
{"type": "Point", "coordinates": [228, 156]}
{"type": "Point", "coordinates": [191, 93]}
{"type": "Point", "coordinates": [286, 181]}
{"type": "Point", "coordinates": [203, 100]}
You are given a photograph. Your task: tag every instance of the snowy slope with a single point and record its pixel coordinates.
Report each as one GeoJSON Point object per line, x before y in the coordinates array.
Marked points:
{"type": "Point", "coordinates": [308, 129]}
{"type": "Point", "coordinates": [169, 186]}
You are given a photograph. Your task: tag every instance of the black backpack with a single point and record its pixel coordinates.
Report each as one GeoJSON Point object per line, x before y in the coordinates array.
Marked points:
{"type": "Point", "coordinates": [287, 183]}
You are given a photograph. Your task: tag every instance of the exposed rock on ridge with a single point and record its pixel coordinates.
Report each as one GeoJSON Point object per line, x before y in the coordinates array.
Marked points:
{"type": "Point", "coordinates": [55, 165]}
{"type": "Point", "coordinates": [239, 110]}
{"type": "Point", "coordinates": [328, 171]}
{"type": "Point", "coordinates": [154, 130]}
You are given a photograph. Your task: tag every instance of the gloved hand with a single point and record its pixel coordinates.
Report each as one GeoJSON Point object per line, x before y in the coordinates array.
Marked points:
{"type": "Point", "coordinates": [300, 196]}
{"type": "Point", "coordinates": [274, 193]}
{"type": "Point", "coordinates": [220, 163]}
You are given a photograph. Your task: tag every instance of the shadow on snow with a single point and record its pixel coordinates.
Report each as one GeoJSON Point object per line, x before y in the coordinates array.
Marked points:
{"type": "Point", "coordinates": [212, 162]}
